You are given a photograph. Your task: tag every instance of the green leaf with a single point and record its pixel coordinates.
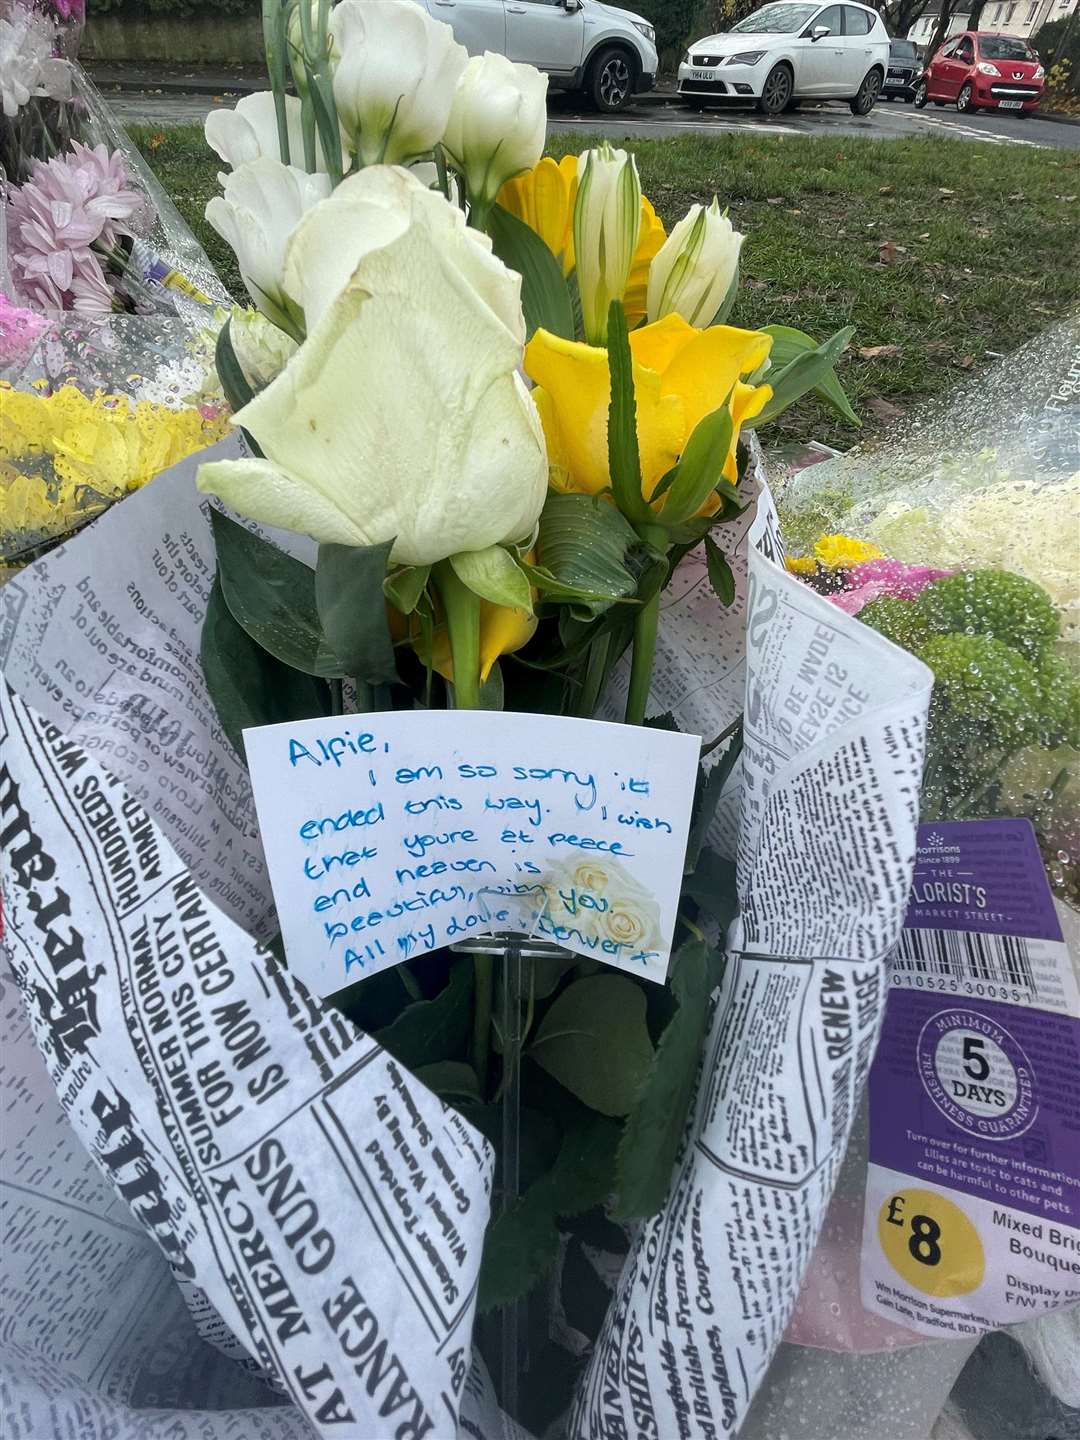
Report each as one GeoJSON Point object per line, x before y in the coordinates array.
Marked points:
{"type": "Point", "coordinates": [449, 1078]}
{"type": "Point", "coordinates": [654, 1129]}
{"type": "Point", "coordinates": [494, 575]}
{"type": "Point", "coordinates": [713, 887]}
{"type": "Point", "coordinates": [720, 577]}
{"type": "Point", "coordinates": [700, 470]}
{"type": "Point", "coordinates": [352, 607]}
{"type": "Point", "coordinates": [595, 1042]}
{"type": "Point", "coordinates": [709, 789]}
{"type": "Point", "coordinates": [624, 460]}
{"type": "Point", "coordinates": [247, 685]}
{"type": "Point", "coordinates": [800, 364]}
{"type": "Point", "coordinates": [230, 372]}
{"type": "Point", "coordinates": [582, 546]}
{"type": "Point", "coordinates": [438, 1029]}
{"type": "Point", "coordinates": [404, 587]}
{"type": "Point", "coordinates": [523, 1243]}
{"type": "Point", "coordinates": [545, 298]}
{"type": "Point", "coordinates": [548, 971]}
{"type": "Point", "coordinates": [272, 596]}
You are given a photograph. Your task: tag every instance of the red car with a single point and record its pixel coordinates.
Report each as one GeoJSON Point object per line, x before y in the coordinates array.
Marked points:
{"type": "Point", "coordinates": [978, 71]}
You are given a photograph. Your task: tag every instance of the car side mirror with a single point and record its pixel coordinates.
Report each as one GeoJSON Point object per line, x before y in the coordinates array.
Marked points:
{"type": "Point", "coordinates": [571, 6]}
{"type": "Point", "coordinates": [819, 32]}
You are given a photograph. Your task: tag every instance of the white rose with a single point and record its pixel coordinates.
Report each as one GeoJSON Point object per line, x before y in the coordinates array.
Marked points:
{"type": "Point", "coordinates": [263, 202]}
{"type": "Point", "coordinates": [394, 79]}
{"type": "Point", "coordinates": [695, 267]}
{"type": "Point", "coordinates": [402, 417]}
{"type": "Point", "coordinates": [497, 124]}
{"type": "Point", "coordinates": [607, 224]}
{"type": "Point", "coordinates": [372, 209]}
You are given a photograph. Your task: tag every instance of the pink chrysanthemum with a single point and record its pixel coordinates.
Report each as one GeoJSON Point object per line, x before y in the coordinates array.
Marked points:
{"type": "Point", "coordinates": [19, 331]}
{"type": "Point", "coordinates": [70, 205]}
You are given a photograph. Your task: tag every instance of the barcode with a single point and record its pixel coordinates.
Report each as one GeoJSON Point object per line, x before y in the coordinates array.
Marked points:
{"type": "Point", "coordinates": [966, 955]}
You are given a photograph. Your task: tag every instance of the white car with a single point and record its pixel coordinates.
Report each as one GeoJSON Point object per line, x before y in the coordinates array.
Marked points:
{"type": "Point", "coordinates": [791, 51]}
{"type": "Point", "coordinates": [581, 44]}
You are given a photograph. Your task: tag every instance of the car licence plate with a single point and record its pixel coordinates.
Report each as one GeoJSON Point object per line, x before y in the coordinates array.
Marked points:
{"type": "Point", "coordinates": [1010, 104]}
{"type": "Point", "coordinates": [702, 75]}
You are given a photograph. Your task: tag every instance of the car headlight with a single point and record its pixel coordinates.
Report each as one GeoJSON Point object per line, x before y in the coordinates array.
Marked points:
{"type": "Point", "coordinates": [646, 29]}
{"type": "Point", "coordinates": [745, 57]}
{"type": "Point", "coordinates": [1039, 73]}
{"type": "Point", "coordinates": [985, 68]}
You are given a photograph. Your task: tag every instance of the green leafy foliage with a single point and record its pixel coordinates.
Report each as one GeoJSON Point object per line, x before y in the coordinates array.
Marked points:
{"type": "Point", "coordinates": [522, 1244]}
{"type": "Point", "coordinates": [230, 372]}
{"type": "Point", "coordinates": [433, 1028]}
{"type": "Point", "coordinates": [247, 685]}
{"type": "Point", "coordinates": [581, 553]}
{"type": "Point", "coordinates": [451, 1080]}
{"type": "Point", "coordinates": [655, 1125]}
{"type": "Point", "coordinates": [404, 588]}
{"type": "Point", "coordinates": [545, 298]}
{"type": "Point", "coordinates": [624, 459]}
{"type": "Point", "coordinates": [700, 470]}
{"type": "Point", "coordinates": [272, 596]}
{"type": "Point", "coordinates": [595, 1042]}
{"type": "Point", "coordinates": [720, 577]}
{"type": "Point", "coordinates": [494, 575]}
{"type": "Point", "coordinates": [711, 885]}
{"type": "Point", "coordinates": [710, 787]}
{"type": "Point", "coordinates": [349, 594]}
{"type": "Point", "coordinates": [800, 364]}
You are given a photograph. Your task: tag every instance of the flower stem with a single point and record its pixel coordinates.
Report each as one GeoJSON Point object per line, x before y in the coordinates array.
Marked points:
{"type": "Point", "coordinates": [462, 609]}
{"type": "Point", "coordinates": [645, 628]}
{"type": "Point", "coordinates": [483, 983]}
{"type": "Point", "coordinates": [595, 675]}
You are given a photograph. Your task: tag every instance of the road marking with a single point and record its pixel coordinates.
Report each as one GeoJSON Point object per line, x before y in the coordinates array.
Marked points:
{"type": "Point", "coordinates": [706, 127]}
{"type": "Point", "coordinates": [953, 127]}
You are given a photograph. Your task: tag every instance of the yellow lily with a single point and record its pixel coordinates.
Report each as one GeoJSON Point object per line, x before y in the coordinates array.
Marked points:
{"type": "Point", "coordinates": [544, 199]}
{"type": "Point", "coordinates": [680, 375]}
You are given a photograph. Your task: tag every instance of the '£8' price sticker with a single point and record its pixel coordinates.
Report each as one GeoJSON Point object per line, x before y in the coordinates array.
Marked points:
{"type": "Point", "coordinates": [931, 1243]}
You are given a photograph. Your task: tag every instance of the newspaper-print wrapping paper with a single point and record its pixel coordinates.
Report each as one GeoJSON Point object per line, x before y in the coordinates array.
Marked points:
{"type": "Point", "coordinates": [834, 726]}
{"type": "Point", "coordinates": [329, 1208]}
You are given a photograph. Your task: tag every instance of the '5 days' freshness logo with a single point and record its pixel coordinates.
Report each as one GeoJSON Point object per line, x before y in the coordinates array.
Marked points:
{"type": "Point", "coordinates": [976, 1074]}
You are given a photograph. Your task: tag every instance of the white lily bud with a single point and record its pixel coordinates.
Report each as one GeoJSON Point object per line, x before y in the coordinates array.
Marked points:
{"type": "Point", "coordinates": [607, 224]}
{"type": "Point", "coordinates": [395, 78]}
{"type": "Point", "coordinates": [695, 267]}
{"type": "Point", "coordinates": [497, 124]}
{"type": "Point", "coordinates": [264, 201]}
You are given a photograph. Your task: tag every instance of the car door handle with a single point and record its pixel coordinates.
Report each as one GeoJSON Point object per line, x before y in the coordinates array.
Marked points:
{"type": "Point", "coordinates": [516, 10]}
{"type": "Point", "coordinates": [446, 4]}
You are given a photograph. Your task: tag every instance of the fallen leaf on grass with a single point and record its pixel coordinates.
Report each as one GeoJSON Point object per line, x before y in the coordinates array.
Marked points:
{"type": "Point", "coordinates": [882, 410]}
{"type": "Point", "coordinates": [937, 347]}
{"type": "Point", "coordinates": [752, 284]}
{"type": "Point", "coordinates": [1018, 196]}
{"type": "Point", "coordinates": [156, 141]}
{"type": "Point", "coordinates": [925, 235]}
{"type": "Point", "coordinates": [886, 189]}
{"type": "Point", "coordinates": [889, 254]}
{"type": "Point", "coordinates": [775, 200]}
{"type": "Point", "coordinates": [943, 191]}
{"type": "Point", "coordinates": [878, 352]}
{"type": "Point", "coordinates": [964, 362]}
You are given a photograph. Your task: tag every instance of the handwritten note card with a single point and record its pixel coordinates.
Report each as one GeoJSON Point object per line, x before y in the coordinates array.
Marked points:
{"type": "Point", "coordinates": [393, 834]}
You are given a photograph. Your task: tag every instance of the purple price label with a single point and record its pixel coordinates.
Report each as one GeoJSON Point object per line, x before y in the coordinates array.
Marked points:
{"type": "Point", "coordinates": [984, 875]}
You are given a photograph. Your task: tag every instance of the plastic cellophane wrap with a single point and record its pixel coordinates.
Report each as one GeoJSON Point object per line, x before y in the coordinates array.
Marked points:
{"type": "Point", "coordinates": [902, 531]}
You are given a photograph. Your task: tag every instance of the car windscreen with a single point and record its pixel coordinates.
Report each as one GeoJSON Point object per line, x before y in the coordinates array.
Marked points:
{"type": "Point", "coordinates": [902, 50]}
{"type": "Point", "coordinates": [776, 20]}
{"type": "Point", "coordinates": [1004, 47]}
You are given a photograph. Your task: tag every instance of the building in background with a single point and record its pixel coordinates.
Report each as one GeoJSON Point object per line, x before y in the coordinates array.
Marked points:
{"type": "Point", "coordinates": [1024, 18]}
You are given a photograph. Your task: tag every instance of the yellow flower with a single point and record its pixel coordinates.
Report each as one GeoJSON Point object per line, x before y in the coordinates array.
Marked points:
{"type": "Point", "coordinates": [84, 452]}
{"type": "Point", "coordinates": [502, 631]}
{"type": "Point", "coordinates": [840, 551]}
{"type": "Point", "coordinates": [544, 199]}
{"type": "Point", "coordinates": [801, 565]}
{"type": "Point", "coordinates": [680, 376]}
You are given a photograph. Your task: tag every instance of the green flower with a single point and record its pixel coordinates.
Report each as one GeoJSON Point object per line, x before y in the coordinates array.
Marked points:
{"type": "Point", "coordinates": [1060, 702]}
{"type": "Point", "coordinates": [994, 603]}
{"type": "Point", "coordinates": [985, 694]}
{"type": "Point", "coordinates": [898, 620]}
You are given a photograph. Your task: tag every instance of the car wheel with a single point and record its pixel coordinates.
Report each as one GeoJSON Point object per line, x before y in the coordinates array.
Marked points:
{"type": "Point", "coordinates": [963, 100]}
{"type": "Point", "coordinates": [921, 95]}
{"type": "Point", "coordinates": [611, 80]}
{"type": "Point", "coordinates": [791, 106]}
{"type": "Point", "coordinates": [777, 91]}
{"type": "Point", "coordinates": [869, 91]}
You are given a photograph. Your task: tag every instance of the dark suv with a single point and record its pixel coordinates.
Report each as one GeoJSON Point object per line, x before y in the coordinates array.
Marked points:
{"type": "Point", "coordinates": [903, 73]}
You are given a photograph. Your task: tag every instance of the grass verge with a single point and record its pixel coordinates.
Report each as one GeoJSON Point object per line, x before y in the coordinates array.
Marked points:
{"type": "Point", "coordinates": [942, 253]}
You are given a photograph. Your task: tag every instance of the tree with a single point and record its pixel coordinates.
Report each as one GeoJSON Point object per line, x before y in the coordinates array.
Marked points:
{"type": "Point", "coordinates": [941, 29]}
